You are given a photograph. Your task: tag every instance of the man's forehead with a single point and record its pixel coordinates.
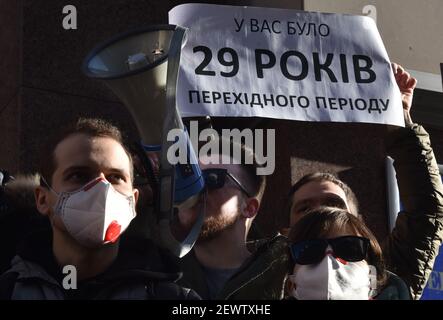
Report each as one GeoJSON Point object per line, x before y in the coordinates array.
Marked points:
{"type": "Point", "coordinates": [86, 151]}
{"type": "Point", "coordinates": [317, 191]}
{"type": "Point", "coordinates": [319, 187]}
{"type": "Point", "coordinates": [326, 199]}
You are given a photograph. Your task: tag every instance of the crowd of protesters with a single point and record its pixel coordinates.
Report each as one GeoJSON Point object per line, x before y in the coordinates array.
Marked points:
{"type": "Point", "coordinates": [87, 207]}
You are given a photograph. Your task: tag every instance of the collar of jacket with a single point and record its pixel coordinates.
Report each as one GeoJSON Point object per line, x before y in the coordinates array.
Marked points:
{"type": "Point", "coordinates": [395, 289]}
{"type": "Point", "coordinates": [268, 253]}
{"type": "Point", "coordinates": [137, 260]}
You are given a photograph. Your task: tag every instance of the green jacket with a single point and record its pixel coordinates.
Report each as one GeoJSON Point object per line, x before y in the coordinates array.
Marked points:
{"type": "Point", "coordinates": [260, 277]}
{"type": "Point", "coordinates": [411, 248]}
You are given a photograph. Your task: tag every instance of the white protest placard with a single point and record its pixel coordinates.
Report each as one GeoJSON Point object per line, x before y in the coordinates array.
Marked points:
{"type": "Point", "coordinates": [284, 64]}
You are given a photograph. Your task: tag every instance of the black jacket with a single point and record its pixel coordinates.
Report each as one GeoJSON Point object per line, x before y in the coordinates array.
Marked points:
{"type": "Point", "coordinates": [141, 271]}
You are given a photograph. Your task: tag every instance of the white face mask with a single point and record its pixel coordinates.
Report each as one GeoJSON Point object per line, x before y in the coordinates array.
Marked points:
{"type": "Point", "coordinates": [332, 279]}
{"type": "Point", "coordinates": [96, 214]}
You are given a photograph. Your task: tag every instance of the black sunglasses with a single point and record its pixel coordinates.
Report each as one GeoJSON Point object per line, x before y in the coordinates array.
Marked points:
{"type": "Point", "coordinates": [215, 178]}
{"type": "Point", "coordinates": [349, 248]}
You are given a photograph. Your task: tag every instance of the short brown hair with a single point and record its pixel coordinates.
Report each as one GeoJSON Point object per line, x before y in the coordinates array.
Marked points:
{"type": "Point", "coordinates": [324, 176]}
{"type": "Point", "coordinates": [319, 221]}
{"type": "Point", "coordinates": [92, 127]}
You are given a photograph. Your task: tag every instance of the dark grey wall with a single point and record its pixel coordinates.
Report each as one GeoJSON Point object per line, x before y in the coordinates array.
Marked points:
{"type": "Point", "coordinates": [10, 51]}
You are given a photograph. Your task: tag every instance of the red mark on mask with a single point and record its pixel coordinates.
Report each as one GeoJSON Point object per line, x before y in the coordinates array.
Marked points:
{"type": "Point", "coordinates": [113, 232]}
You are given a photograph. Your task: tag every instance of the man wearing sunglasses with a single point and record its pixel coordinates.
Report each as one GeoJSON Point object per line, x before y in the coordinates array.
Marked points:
{"type": "Point", "coordinates": [410, 250]}
{"type": "Point", "coordinates": [220, 266]}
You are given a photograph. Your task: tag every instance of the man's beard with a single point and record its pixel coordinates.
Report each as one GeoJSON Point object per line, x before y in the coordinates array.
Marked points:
{"type": "Point", "coordinates": [213, 226]}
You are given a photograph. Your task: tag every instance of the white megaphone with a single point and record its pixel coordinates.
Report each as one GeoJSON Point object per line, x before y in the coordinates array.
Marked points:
{"type": "Point", "coordinates": [141, 68]}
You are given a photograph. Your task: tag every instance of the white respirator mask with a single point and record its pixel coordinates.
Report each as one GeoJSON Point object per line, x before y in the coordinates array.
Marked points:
{"type": "Point", "coordinates": [95, 214]}
{"type": "Point", "coordinates": [333, 279]}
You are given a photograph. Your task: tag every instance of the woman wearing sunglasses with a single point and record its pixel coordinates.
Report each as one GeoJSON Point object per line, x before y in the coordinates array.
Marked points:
{"type": "Point", "coordinates": [336, 257]}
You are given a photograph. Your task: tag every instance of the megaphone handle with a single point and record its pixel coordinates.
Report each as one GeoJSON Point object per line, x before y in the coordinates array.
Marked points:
{"type": "Point", "coordinates": [180, 249]}
{"type": "Point", "coordinates": [167, 187]}
{"type": "Point", "coordinates": [172, 120]}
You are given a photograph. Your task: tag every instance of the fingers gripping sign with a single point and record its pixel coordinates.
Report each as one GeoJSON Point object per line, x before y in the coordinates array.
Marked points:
{"type": "Point", "coordinates": [406, 83]}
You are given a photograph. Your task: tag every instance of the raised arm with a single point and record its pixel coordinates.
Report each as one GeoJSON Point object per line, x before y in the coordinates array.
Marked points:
{"type": "Point", "coordinates": [411, 248]}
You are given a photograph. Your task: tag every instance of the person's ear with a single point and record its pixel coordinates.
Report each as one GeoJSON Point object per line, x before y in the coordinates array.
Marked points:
{"type": "Point", "coordinates": [289, 286]}
{"type": "Point", "coordinates": [135, 193]}
{"type": "Point", "coordinates": [42, 203]}
{"type": "Point", "coordinates": [251, 208]}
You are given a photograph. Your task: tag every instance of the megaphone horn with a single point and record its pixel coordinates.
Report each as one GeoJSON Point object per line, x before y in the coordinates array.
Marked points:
{"type": "Point", "coordinates": [141, 68]}
{"type": "Point", "coordinates": [134, 65]}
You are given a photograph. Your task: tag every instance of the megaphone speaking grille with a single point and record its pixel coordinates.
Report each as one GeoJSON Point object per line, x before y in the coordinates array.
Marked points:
{"type": "Point", "coordinates": [134, 65]}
